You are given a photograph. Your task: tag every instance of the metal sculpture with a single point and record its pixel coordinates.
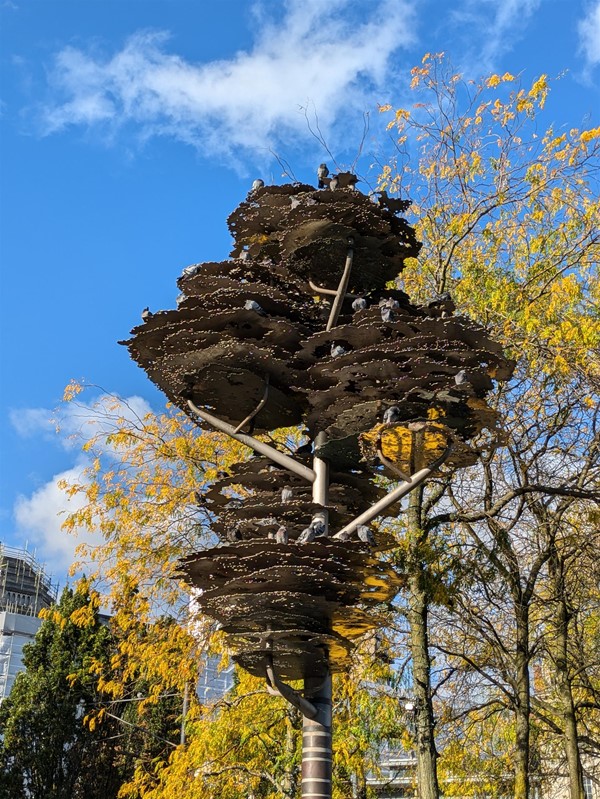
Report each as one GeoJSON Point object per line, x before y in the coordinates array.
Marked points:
{"type": "Point", "coordinates": [299, 327]}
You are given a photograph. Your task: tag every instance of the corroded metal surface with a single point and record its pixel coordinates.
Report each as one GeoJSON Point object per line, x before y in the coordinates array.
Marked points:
{"type": "Point", "coordinates": [384, 391]}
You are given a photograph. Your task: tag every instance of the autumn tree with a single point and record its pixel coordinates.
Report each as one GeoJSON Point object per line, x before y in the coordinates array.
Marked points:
{"type": "Point", "coordinates": [508, 221]}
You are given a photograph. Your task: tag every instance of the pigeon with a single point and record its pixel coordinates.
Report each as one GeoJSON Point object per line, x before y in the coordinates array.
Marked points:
{"type": "Point", "coordinates": [461, 378]}
{"type": "Point", "coordinates": [233, 534]}
{"type": "Point", "coordinates": [180, 299]}
{"type": "Point", "coordinates": [391, 415]}
{"type": "Point", "coordinates": [365, 535]}
{"type": "Point", "coordinates": [389, 302]}
{"type": "Point", "coordinates": [322, 173]}
{"type": "Point", "coordinates": [337, 350]}
{"type": "Point", "coordinates": [286, 494]}
{"type": "Point", "coordinates": [252, 305]}
{"type": "Point", "coordinates": [244, 256]}
{"type": "Point", "coordinates": [307, 535]}
{"type": "Point", "coordinates": [318, 526]}
{"type": "Point", "coordinates": [258, 184]}
{"type": "Point", "coordinates": [191, 270]}
{"type": "Point", "coordinates": [387, 315]}
{"type": "Point", "coordinates": [147, 315]}
{"type": "Point", "coordinates": [334, 183]}
{"type": "Point", "coordinates": [359, 304]}
{"type": "Point", "coordinates": [294, 202]}
{"type": "Point", "coordinates": [281, 536]}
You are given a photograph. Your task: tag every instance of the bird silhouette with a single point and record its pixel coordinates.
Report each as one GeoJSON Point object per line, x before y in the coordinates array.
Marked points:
{"type": "Point", "coordinates": [322, 173]}
{"type": "Point", "coordinates": [391, 415]}
{"type": "Point", "coordinates": [286, 494]}
{"type": "Point", "coordinates": [318, 526]}
{"type": "Point", "coordinates": [334, 183]}
{"type": "Point", "coordinates": [147, 314]}
{"type": "Point", "coordinates": [337, 350]}
{"type": "Point", "coordinates": [258, 184]}
{"type": "Point", "coordinates": [252, 305]}
{"type": "Point", "coordinates": [233, 534]}
{"type": "Point", "coordinates": [359, 304]}
{"type": "Point", "coordinates": [281, 536]}
{"type": "Point", "coordinates": [462, 378]}
{"type": "Point", "coordinates": [365, 534]}
{"type": "Point", "coordinates": [387, 315]}
{"type": "Point", "coordinates": [307, 535]}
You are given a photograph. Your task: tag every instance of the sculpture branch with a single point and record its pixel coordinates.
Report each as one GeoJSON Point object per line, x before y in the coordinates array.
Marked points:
{"type": "Point", "coordinates": [258, 446]}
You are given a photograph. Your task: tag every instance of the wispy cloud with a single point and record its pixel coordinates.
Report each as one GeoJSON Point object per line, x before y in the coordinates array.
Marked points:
{"type": "Point", "coordinates": [490, 30]}
{"type": "Point", "coordinates": [74, 422]}
{"type": "Point", "coordinates": [334, 55]}
{"type": "Point", "coordinates": [589, 35]}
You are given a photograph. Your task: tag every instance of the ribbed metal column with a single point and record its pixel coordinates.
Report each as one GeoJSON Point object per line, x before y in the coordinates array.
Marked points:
{"type": "Point", "coordinates": [316, 741]}
{"type": "Point", "coordinates": [316, 732]}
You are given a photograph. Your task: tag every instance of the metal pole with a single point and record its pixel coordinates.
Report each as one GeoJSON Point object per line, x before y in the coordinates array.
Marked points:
{"type": "Point", "coordinates": [320, 488]}
{"type": "Point", "coordinates": [258, 446]}
{"type": "Point", "coordinates": [316, 741]}
{"type": "Point", "coordinates": [340, 295]}
{"type": "Point", "coordinates": [399, 492]}
{"type": "Point", "coordinates": [316, 731]}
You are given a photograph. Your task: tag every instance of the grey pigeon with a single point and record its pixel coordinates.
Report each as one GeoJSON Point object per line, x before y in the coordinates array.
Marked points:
{"type": "Point", "coordinates": [334, 183]}
{"type": "Point", "coordinates": [359, 304]}
{"type": "Point", "coordinates": [294, 202]}
{"type": "Point", "coordinates": [258, 184]}
{"type": "Point", "coordinates": [252, 305]}
{"type": "Point", "coordinates": [281, 536]}
{"type": "Point", "coordinates": [322, 173]}
{"type": "Point", "coordinates": [307, 535]}
{"type": "Point", "coordinates": [191, 270]}
{"type": "Point", "coordinates": [461, 378]}
{"type": "Point", "coordinates": [391, 415]}
{"type": "Point", "coordinates": [147, 315]}
{"type": "Point", "coordinates": [180, 298]}
{"type": "Point", "coordinates": [365, 535]}
{"type": "Point", "coordinates": [233, 534]}
{"type": "Point", "coordinates": [337, 350]}
{"type": "Point", "coordinates": [244, 256]}
{"type": "Point", "coordinates": [318, 526]}
{"type": "Point", "coordinates": [286, 494]}
{"type": "Point", "coordinates": [387, 315]}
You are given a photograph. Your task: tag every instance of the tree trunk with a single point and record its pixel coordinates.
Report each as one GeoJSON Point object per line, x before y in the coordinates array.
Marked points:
{"type": "Point", "coordinates": [523, 701]}
{"type": "Point", "coordinates": [563, 681]}
{"type": "Point", "coordinates": [418, 607]}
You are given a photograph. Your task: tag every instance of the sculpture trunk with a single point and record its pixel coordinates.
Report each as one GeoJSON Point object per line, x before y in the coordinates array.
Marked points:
{"type": "Point", "coordinates": [317, 741]}
{"type": "Point", "coordinates": [316, 732]}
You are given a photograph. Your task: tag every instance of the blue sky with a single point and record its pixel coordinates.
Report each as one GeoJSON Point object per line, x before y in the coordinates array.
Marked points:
{"type": "Point", "coordinates": [132, 128]}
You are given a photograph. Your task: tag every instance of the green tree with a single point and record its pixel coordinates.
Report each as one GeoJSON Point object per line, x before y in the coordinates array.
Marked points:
{"type": "Point", "coordinates": [47, 750]}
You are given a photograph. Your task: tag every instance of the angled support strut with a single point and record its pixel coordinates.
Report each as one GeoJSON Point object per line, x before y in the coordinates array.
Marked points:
{"type": "Point", "coordinates": [400, 491]}
{"type": "Point", "coordinates": [258, 446]}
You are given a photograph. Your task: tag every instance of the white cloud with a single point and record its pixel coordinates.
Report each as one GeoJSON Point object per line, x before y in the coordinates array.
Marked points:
{"type": "Point", "coordinates": [39, 519]}
{"type": "Point", "coordinates": [319, 54]}
{"type": "Point", "coordinates": [77, 421]}
{"type": "Point", "coordinates": [589, 35]}
{"type": "Point", "coordinates": [490, 29]}
{"type": "Point", "coordinates": [29, 422]}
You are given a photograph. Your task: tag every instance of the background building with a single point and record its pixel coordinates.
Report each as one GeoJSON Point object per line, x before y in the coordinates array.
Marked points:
{"type": "Point", "coordinates": [25, 589]}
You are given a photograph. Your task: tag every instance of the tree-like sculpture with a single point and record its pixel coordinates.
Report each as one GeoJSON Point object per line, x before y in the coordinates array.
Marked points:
{"type": "Point", "coordinates": [300, 328]}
